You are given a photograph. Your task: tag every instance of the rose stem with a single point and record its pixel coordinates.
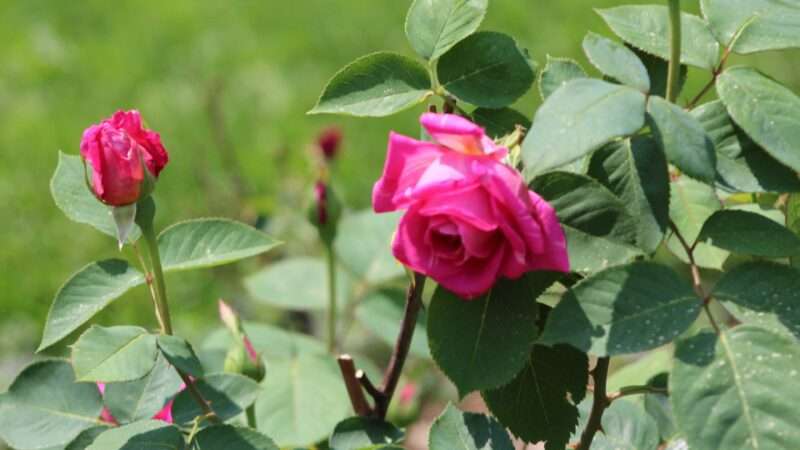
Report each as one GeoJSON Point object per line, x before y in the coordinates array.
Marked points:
{"type": "Point", "coordinates": [673, 71]}
{"type": "Point", "coordinates": [400, 352]}
{"type": "Point", "coordinates": [144, 218]}
{"type": "Point", "coordinates": [599, 404]}
{"type": "Point", "coordinates": [331, 263]}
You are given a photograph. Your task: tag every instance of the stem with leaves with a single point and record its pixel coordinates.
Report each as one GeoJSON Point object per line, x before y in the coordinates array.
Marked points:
{"type": "Point", "coordinates": [697, 281]}
{"type": "Point", "coordinates": [601, 399]}
{"type": "Point", "coordinates": [144, 218]}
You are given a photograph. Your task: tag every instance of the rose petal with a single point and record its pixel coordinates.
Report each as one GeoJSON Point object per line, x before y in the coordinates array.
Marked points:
{"type": "Point", "coordinates": [407, 160]}
{"type": "Point", "coordinates": [469, 204]}
{"type": "Point", "coordinates": [461, 135]}
{"type": "Point", "coordinates": [554, 256]}
{"type": "Point", "coordinates": [475, 277]}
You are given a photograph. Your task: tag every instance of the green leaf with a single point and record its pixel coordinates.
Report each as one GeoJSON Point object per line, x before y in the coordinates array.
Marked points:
{"type": "Point", "coordinates": [297, 283]}
{"type": "Point", "coordinates": [683, 139]}
{"type": "Point", "coordinates": [144, 435]}
{"type": "Point", "coordinates": [228, 394]}
{"type": "Point", "coordinates": [180, 354]}
{"type": "Point", "coordinates": [73, 197]}
{"type": "Point", "coordinates": [578, 118]}
{"type": "Point", "coordinates": [86, 438]}
{"type": "Point", "coordinates": [376, 85]}
{"type": "Point", "coordinates": [659, 408]}
{"type": "Point", "coordinates": [643, 368]}
{"type": "Point", "coordinates": [767, 290]}
{"type": "Point", "coordinates": [793, 220]}
{"type": "Point", "coordinates": [486, 69]}
{"type": "Point", "coordinates": [457, 430]}
{"type": "Point", "coordinates": [586, 205]}
{"type": "Point", "coordinates": [657, 69]}
{"type": "Point", "coordinates": [647, 27]}
{"type": "Point", "coordinates": [761, 24]}
{"type": "Point", "coordinates": [626, 426]}
{"type": "Point", "coordinates": [200, 243]}
{"type": "Point", "coordinates": [624, 309]}
{"type": "Point", "coordinates": [616, 61]}
{"type": "Point", "coordinates": [230, 437]}
{"type": "Point", "coordinates": [589, 253]}
{"type": "Point", "coordinates": [737, 390]}
{"type": "Point", "coordinates": [749, 233]}
{"type": "Point", "coordinates": [435, 26]}
{"type": "Point", "coordinates": [381, 312]}
{"type": "Point", "coordinates": [556, 73]}
{"type": "Point", "coordinates": [766, 110]}
{"type": "Point", "coordinates": [539, 404]}
{"type": "Point", "coordinates": [112, 354]}
{"type": "Point", "coordinates": [742, 166]}
{"type": "Point", "coordinates": [483, 343]}
{"type": "Point", "coordinates": [363, 245]}
{"type": "Point", "coordinates": [132, 401]}
{"type": "Point", "coordinates": [303, 399]}
{"type": "Point", "coordinates": [85, 294]}
{"type": "Point", "coordinates": [636, 171]}
{"type": "Point", "coordinates": [692, 203]}
{"type": "Point", "coordinates": [45, 407]}
{"type": "Point", "coordinates": [124, 219]}
{"type": "Point", "coordinates": [356, 433]}
{"type": "Point", "coordinates": [273, 343]}
{"type": "Point", "coordinates": [500, 122]}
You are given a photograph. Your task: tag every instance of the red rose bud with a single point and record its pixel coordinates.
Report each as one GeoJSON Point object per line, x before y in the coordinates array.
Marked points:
{"type": "Point", "coordinates": [328, 142]}
{"type": "Point", "coordinates": [325, 211]}
{"type": "Point", "coordinates": [125, 158]}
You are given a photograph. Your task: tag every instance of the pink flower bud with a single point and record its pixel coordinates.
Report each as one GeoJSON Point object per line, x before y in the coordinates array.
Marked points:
{"type": "Point", "coordinates": [328, 142]}
{"type": "Point", "coordinates": [229, 317]}
{"type": "Point", "coordinates": [251, 351]}
{"type": "Point", "coordinates": [321, 198]}
{"type": "Point", "coordinates": [125, 158]}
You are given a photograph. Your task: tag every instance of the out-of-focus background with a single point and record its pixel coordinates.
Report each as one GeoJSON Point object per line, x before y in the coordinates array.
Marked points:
{"type": "Point", "coordinates": [227, 85]}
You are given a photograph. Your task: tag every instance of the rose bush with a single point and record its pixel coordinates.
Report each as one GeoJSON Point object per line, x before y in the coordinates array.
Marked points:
{"type": "Point", "coordinates": [616, 228]}
{"type": "Point", "coordinates": [470, 218]}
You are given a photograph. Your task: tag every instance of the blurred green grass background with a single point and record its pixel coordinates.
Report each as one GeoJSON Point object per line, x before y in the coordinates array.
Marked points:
{"type": "Point", "coordinates": [227, 85]}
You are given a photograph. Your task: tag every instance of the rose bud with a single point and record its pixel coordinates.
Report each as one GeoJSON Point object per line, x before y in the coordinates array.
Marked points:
{"type": "Point", "coordinates": [125, 158]}
{"type": "Point", "coordinates": [242, 357]}
{"type": "Point", "coordinates": [328, 142]}
{"type": "Point", "coordinates": [325, 211]}
{"type": "Point", "coordinates": [470, 219]}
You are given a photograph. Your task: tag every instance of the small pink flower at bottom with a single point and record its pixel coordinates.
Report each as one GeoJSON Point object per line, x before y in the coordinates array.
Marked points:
{"type": "Point", "coordinates": [470, 219]}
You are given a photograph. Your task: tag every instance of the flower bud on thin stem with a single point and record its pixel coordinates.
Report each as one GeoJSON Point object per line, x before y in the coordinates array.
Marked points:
{"type": "Point", "coordinates": [328, 142]}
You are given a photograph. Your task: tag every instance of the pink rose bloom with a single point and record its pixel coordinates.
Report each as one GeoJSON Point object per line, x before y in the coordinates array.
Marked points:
{"type": "Point", "coordinates": [115, 149]}
{"type": "Point", "coordinates": [165, 414]}
{"type": "Point", "coordinates": [470, 219]}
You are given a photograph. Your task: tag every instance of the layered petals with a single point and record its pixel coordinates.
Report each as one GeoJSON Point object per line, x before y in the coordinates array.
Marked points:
{"type": "Point", "coordinates": [119, 151]}
{"type": "Point", "coordinates": [461, 135]}
{"type": "Point", "coordinates": [470, 219]}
